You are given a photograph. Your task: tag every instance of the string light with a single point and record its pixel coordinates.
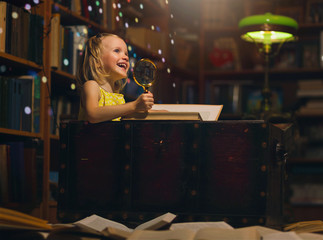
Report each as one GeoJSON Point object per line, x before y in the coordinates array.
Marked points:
{"type": "Point", "coordinates": [136, 20]}
{"type": "Point", "coordinates": [44, 79]}
{"type": "Point", "coordinates": [141, 6]}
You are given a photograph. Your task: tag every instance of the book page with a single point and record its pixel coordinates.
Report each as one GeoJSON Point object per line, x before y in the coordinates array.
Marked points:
{"type": "Point", "coordinates": [227, 234]}
{"type": "Point", "coordinates": [195, 226]}
{"type": "Point", "coordinates": [157, 223]}
{"type": "Point", "coordinates": [310, 236]}
{"type": "Point", "coordinates": [207, 112]}
{"type": "Point", "coordinates": [179, 234]}
{"type": "Point", "coordinates": [99, 223]}
{"type": "Point", "coordinates": [282, 235]}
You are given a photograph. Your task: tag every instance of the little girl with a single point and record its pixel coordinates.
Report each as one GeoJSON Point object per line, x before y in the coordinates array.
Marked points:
{"type": "Point", "coordinates": [104, 64]}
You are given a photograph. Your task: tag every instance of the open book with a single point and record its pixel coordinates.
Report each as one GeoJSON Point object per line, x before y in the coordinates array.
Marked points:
{"type": "Point", "coordinates": [11, 219]}
{"type": "Point", "coordinates": [305, 226]}
{"type": "Point", "coordinates": [216, 233]}
{"type": "Point", "coordinates": [99, 227]}
{"type": "Point", "coordinates": [179, 112]}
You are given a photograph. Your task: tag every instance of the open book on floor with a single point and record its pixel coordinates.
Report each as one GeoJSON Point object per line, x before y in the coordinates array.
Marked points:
{"type": "Point", "coordinates": [96, 226]}
{"type": "Point", "coordinates": [305, 226]}
{"type": "Point", "coordinates": [215, 233]}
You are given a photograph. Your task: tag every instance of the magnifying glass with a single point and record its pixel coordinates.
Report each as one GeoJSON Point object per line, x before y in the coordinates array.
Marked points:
{"type": "Point", "coordinates": [144, 73]}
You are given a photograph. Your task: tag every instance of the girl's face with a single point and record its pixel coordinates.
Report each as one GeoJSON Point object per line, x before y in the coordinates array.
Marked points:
{"type": "Point", "coordinates": [115, 57]}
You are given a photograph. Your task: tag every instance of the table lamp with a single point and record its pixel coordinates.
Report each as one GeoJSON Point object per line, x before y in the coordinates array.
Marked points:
{"type": "Point", "coordinates": [265, 30]}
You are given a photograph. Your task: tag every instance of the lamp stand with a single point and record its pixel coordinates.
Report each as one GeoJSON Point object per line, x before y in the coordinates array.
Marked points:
{"type": "Point", "coordinates": [266, 92]}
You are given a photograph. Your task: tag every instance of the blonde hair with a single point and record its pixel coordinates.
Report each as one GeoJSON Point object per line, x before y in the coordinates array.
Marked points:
{"type": "Point", "coordinates": [90, 65]}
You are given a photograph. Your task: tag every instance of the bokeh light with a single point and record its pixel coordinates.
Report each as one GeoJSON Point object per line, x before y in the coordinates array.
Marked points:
{"type": "Point", "coordinates": [65, 62]}
{"type": "Point", "coordinates": [73, 86]}
{"type": "Point", "coordinates": [27, 110]}
{"type": "Point", "coordinates": [44, 79]}
{"type": "Point", "coordinates": [3, 68]}
{"type": "Point", "coordinates": [27, 6]}
{"type": "Point", "coordinates": [14, 15]}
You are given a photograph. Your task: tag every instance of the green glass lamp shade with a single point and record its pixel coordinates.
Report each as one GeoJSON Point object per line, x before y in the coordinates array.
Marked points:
{"type": "Point", "coordinates": [268, 28]}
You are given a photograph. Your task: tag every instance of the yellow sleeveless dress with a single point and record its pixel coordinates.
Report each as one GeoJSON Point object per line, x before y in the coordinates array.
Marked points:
{"type": "Point", "coordinates": [106, 99]}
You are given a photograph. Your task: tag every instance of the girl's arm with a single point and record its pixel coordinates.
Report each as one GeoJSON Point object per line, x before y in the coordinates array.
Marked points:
{"type": "Point", "coordinates": [90, 101]}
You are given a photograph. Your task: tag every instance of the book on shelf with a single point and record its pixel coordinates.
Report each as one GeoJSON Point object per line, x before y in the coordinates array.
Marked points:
{"type": "Point", "coordinates": [3, 20]}
{"type": "Point", "coordinates": [312, 106]}
{"type": "Point", "coordinates": [310, 84]}
{"type": "Point", "coordinates": [21, 25]}
{"type": "Point", "coordinates": [55, 40]}
{"type": "Point", "coordinates": [310, 93]}
{"type": "Point", "coordinates": [310, 54]}
{"type": "Point", "coordinates": [225, 54]}
{"type": "Point", "coordinates": [20, 102]}
{"type": "Point", "coordinates": [306, 193]}
{"type": "Point", "coordinates": [67, 43]}
{"type": "Point", "coordinates": [4, 162]}
{"type": "Point", "coordinates": [179, 112]}
{"type": "Point", "coordinates": [21, 172]}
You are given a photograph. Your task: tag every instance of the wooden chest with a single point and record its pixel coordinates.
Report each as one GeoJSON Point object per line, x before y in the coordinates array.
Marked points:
{"type": "Point", "coordinates": [132, 171]}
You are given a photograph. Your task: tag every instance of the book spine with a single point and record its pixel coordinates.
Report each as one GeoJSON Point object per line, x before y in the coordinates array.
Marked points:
{"type": "Point", "coordinates": [4, 103]}
{"type": "Point", "coordinates": [8, 28]}
{"type": "Point", "coordinates": [321, 49]}
{"type": "Point", "coordinates": [36, 105]}
{"type": "Point", "coordinates": [3, 20]}
{"type": "Point", "coordinates": [26, 104]}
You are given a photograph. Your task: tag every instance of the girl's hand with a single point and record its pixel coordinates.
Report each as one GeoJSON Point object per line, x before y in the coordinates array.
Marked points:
{"type": "Point", "coordinates": [144, 102]}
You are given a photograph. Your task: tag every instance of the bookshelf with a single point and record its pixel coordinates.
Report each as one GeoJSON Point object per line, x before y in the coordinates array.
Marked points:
{"type": "Point", "coordinates": [56, 81]}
